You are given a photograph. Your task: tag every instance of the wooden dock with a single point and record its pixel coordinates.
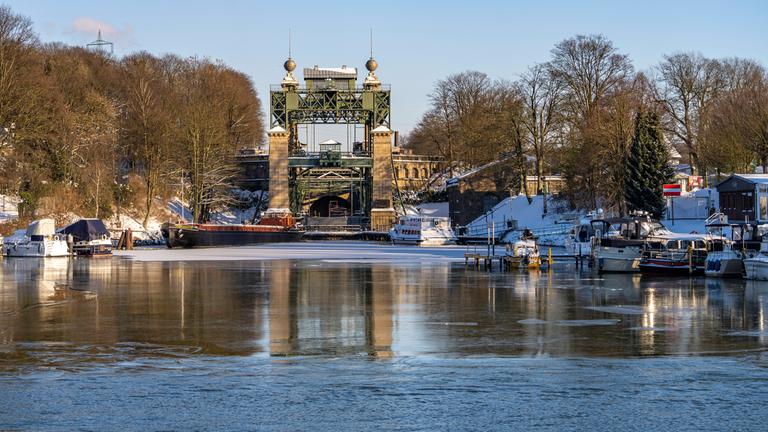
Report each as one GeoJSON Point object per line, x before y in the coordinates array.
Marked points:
{"type": "Point", "coordinates": [476, 260]}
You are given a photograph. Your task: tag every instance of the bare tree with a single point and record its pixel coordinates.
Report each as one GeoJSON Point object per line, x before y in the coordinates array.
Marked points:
{"type": "Point", "coordinates": [686, 85]}
{"type": "Point", "coordinates": [541, 97]}
{"type": "Point", "coordinates": [738, 120]}
{"type": "Point", "coordinates": [146, 123]}
{"type": "Point", "coordinates": [588, 69]}
{"type": "Point", "coordinates": [591, 73]}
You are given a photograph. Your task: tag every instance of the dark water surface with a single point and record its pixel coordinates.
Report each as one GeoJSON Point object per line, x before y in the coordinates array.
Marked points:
{"type": "Point", "coordinates": [115, 344]}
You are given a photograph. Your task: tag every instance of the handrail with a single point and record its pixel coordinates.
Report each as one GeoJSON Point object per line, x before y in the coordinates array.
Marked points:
{"type": "Point", "coordinates": [323, 88]}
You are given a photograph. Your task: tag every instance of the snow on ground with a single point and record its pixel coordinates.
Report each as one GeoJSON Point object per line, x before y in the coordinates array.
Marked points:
{"type": "Point", "coordinates": [339, 251]}
{"type": "Point", "coordinates": [551, 228]}
{"type": "Point", "coordinates": [116, 224]}
{"type": "Point", "coordinates": [179, 209]}
{"type": "Point", "coordinates": [8, 208]}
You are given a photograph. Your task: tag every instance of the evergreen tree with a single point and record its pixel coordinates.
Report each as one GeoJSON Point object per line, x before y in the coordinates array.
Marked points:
{"type": "Point", "coordinates": [647, 166]}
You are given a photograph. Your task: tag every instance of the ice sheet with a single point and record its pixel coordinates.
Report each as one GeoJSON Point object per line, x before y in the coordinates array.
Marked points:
{"type": "Point", "coordinates": [351, 250]}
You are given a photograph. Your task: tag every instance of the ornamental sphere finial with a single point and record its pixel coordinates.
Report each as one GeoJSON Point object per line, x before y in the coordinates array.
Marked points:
{"type": "Point", "coordinates": [371, 65]}
{"type": "Point", "coordinates": [289, 65]}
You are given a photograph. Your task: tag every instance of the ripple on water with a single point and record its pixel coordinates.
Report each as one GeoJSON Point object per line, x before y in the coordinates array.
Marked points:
{"type": "Point", "coordinates": [654, 329]}
{"type": "Point", "coordinates": [618, 310]}
{"type": "Point", "coordinates": [587, 323]}
{"type": "Point", "coordinates": [531, 321]}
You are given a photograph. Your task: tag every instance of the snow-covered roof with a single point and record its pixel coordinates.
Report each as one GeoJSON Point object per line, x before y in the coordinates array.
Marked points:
{"type": "Point", "coordinates": [754, 178]}
{"type": "Point", "coordinates": [324, 73]}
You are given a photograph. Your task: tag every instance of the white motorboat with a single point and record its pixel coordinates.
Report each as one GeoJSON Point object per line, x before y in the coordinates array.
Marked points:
{"type": "Point", "coordinates": [422, 230]}
{"type": "Point", "coordinates": [723, 260]}
{"type": "Point", "coordinates": [618, 243]}
{"type": "Point", "coordinates": [40, 240]}
{"type": "Point", "coordinates": [524, 253]}
{"type": "Point", "coordinates": [581, 236]}
{"type": "Point", "coordinates": [756, 268]}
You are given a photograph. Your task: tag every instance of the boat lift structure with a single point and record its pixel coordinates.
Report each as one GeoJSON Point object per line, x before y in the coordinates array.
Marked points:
{"type": "Point", "coordinates": [331, 96]}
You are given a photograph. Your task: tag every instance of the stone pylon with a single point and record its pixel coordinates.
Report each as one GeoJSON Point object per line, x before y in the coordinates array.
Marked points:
{"type": "Point", "coordinates": [382, 213]}
{"type": "Point", "coordinates": [279, 201]}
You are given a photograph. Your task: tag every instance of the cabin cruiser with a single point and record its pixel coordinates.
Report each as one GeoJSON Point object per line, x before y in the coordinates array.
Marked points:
{"type": "Point", "coordinates": [40, 240]}
{"type": "Point", "coordinates": [422, 230]}
{"type": "Point", "coordinates": [524, 253]}
{"type": "Point", "coordinates": [727, 259]}
{"type": "Point", "coordinates": [618, 242]}
{"type": "Point", "coordinates": [683, 254]}
{"type": "Point", "coordinates": [88, 237]}
{"type": "Point", "coordinates": [756, 267]}
{"type": "Point", "coordinates": [579, 240]}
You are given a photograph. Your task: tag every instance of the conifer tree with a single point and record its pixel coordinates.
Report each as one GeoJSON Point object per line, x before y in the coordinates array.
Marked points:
{"type": "Point", "coordinates": [647, 166]}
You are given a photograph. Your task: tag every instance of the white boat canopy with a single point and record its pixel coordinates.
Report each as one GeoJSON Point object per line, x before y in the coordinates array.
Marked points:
{"type": "Point", "coordinates": [43, 227]}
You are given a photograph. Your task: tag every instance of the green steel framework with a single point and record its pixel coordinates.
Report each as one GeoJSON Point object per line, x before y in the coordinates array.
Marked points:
{"type": "Point", "coordinates": [309, 178]}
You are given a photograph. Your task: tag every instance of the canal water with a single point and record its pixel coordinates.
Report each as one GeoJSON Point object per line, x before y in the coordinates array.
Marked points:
{"type": "Point", "coordinates": [340, 344]}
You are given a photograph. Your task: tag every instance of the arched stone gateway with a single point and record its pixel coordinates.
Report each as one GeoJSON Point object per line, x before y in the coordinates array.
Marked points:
{"type": "Point", "coordinates": [330, 206]}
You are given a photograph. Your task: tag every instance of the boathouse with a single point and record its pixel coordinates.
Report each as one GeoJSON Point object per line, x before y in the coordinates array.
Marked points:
{"type": "Point", "coordinates": [744, 197]}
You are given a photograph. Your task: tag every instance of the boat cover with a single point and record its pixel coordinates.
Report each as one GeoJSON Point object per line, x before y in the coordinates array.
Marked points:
{"type": "Point", "coordinates": [86, 230]}
{"type": "Point", "coordinates": [42, 227]}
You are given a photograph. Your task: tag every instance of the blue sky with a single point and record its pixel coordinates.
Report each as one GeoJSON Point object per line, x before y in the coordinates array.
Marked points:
{"type": "Point", "coordinates": [416, 43]}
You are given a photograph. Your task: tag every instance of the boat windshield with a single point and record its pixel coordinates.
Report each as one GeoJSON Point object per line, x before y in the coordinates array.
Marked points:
{"type": "Point", "coordinates": [684, 244]}
{"type": "Point", "coordinates": [648, 228]}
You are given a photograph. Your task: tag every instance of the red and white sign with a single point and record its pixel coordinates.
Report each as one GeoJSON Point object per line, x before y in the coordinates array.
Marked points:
{"type": "Point", "coordinates": [673, 189]}
{"type": "Point", "coordinates": [695, 182]}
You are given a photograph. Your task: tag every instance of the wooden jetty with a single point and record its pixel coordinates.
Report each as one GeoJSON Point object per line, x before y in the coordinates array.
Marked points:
{"type": "Point", "coordinates": [505, 262]}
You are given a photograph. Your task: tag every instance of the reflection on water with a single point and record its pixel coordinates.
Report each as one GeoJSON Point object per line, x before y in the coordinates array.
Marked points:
{"type": "Point", "coordinates": [96, 310]}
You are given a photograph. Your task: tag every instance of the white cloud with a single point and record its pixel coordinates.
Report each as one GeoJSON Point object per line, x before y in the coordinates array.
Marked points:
{"type": "Point", "coordinates": [88, 28]}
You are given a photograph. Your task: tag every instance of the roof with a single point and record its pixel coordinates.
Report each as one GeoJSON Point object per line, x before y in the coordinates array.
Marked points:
{"type": "Point", "coordinates": [749, 178]}
{"type": "Point", "coordinates": [330, 141]}
{"type": "Point", "coordinates": [325, 73]}
{"type": "Point", "coordinates": [754, 178]}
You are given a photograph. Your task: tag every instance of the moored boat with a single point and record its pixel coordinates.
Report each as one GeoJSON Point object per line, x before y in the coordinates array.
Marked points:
{"type": "Point", "coordinates": [756, 267]}
{"type": "Point", "coordinates": [39, 241]}
{"type": "Point", "coordinates": [580, 238]}
{"type": "Point", "coordinates": [89, 237]}
{"type": "Point", "coordinates": [723, 259]}
{"type": "Point", "coordinates": [618, 242]}
{"type": "Point", "coordinates": [423, 231]}
{"type": "Point", "coordinates": [271, 229]}
{"type": "Point", "coordinates": [524, 253]}
{"type": "Point", "coordinates": [680, 254]}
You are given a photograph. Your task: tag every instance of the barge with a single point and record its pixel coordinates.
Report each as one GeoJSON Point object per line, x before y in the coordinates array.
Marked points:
{"type": "Point", "coordinates": [271, 229]}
